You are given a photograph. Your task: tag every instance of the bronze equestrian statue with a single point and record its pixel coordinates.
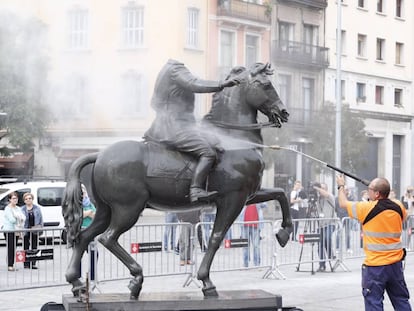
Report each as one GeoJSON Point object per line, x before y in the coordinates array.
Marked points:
{"type": "Point", "coordinates": [129, 176]}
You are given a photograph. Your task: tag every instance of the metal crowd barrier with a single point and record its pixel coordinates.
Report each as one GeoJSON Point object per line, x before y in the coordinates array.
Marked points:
{"type": "Point", "coordinates": [308, 244]}
{"type": "Point", "coordinates": [248, 245]}
{"type": "Point", "coordinates": [145, 242]}
{"type": "Point", "coordinates": [51, 259]}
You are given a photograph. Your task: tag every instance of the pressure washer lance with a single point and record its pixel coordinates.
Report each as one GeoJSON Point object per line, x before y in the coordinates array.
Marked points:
{"type": "Point", "coordinates": [363, 181]}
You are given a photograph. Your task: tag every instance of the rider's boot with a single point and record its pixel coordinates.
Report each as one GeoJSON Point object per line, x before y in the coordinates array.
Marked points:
{"type": "Point", "coordinates": [197, 189]}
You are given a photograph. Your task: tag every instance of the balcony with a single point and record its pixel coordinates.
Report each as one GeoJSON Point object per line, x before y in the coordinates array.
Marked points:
{"type": "Point", "coordinates": [244, 10]}
{"type": "Point", "coordinates": [300, 54]}
{"type": "Point", "coordinates": [318, 4]}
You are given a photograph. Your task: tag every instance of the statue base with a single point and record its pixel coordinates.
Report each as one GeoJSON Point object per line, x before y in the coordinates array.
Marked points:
{"type": "Point", "coordinates": [236, 300]}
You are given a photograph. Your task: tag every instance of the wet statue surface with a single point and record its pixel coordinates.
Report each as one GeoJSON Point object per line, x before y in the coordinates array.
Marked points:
{"type": "Point", "coordinates": [170, 170]}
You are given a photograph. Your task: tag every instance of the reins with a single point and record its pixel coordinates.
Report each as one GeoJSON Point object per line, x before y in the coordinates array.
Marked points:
{"type": "Point", "coordinates": [244, 127]}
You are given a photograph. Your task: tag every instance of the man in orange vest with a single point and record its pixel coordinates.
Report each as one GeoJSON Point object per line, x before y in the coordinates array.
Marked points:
{"type": "Point", "coordinates": [381, 220]}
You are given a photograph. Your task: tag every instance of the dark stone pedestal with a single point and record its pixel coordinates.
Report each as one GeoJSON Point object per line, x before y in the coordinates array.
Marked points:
{"type": "Point", "coordinates": [227, 300]}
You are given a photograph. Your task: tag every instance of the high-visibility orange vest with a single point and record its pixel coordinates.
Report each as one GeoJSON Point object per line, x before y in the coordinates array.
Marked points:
{"type": "Point", "coordinates": [382, 233]}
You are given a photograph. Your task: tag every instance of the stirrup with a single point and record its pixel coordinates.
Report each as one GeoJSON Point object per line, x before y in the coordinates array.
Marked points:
{"type": "Point", "coordinates": [200, 195]}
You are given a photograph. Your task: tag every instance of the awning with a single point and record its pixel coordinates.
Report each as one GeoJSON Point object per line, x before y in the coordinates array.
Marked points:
{"type": "Point", "coordinates": [17, 160]}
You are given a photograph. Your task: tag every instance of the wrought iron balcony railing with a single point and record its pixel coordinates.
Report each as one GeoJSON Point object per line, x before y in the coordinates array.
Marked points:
{"type": "Point", "coordinates": [298, 53]}
{"type": "Point", "coordinates": [320, 4]}
{"type": "Point", "coordinates": [244, 10]}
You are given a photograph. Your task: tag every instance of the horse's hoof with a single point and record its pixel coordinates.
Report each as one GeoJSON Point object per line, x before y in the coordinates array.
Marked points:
{"type": "Point", "coordinates": [135, 287]}
{"type": "Point", "coordinates": [78, 290]}
{"type": "Point", "coordinates": [282, 237]}
{"type": "Point", "coordinates": [210, 292]}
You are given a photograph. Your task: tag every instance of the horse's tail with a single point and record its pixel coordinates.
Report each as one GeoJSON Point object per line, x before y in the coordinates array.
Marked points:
{"type": "Point", "coordinates": [72, 198]}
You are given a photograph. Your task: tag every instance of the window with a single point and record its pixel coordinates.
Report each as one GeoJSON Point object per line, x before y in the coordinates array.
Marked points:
{"type": "Point", "coordinates": [379, 95]}
{"type": "Point", "coordinates": [399, 49]}
{"type": "Point", "coordinates": [133, 27]}
{"type": "Point", "coordinates": [361, 3]}
{"type": "Point", "coordinates": [360, 90]}
{"type": "Point", "coordinates": [133, 91]}
{"type": "Point", "coordinates": [398, 97]}
{"type": "Point", "coordinates": [50, 196]}
{"type": "Point", "coordinates": [362, 45]}
{"type": "Point", "coordinates": [308, 91]}
{"type": "Point", "coordinates": [286, 35]}
{"type": "Point", "coordinates": [398, 8]}
{"type": "Point", "coordinates": [227, 52]}
{"type": "Point", "coordinates": [380, 49]}
{"type": "Point", "coordinates": [380, 6]}
{"type": "Point", "coordinates": [78, 29]}
{"type": "Point", "coordinates": [285, 83]}
{"type": "Point", "coordinates": [310, 40]}
{"type": "Point", "coordinates": [192, 27]}
{"type": "Point", "coordinates": [252, 49]}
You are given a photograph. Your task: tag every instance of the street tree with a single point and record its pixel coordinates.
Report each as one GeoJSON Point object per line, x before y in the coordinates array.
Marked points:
{"type": "Point", "coordinates": [23, 72]}
{"type": "Point", "coordinates": [353, 138]}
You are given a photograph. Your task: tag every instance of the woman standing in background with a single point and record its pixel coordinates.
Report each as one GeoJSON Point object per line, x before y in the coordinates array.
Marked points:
{"type": "Point", "coordinates": [13, 220]}
{"type": "Point", "coordinates": [34, 219]}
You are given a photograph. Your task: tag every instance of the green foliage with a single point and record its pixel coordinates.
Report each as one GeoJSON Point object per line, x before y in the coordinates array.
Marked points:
{"type": "Point", "coordinates": [23, 71]}
{"type": "Point", "coordinates": [353, 138]}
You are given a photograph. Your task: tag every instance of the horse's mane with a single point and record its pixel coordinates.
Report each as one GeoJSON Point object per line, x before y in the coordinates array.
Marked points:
{"type": "Point", "coordinates": [243, 74]}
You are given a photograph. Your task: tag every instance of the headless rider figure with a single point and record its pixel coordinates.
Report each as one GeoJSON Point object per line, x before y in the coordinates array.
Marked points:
{"type": "Point", "coordinates": [175, 124]}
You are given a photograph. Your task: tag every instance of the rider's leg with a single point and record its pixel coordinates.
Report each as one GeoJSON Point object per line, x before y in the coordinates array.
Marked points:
{"type": "Point", "coordinates": [198, 183]}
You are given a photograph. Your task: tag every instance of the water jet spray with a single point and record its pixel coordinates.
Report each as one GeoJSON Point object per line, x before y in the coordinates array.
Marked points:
{"type": "Point", "coordinates": [363, 181]}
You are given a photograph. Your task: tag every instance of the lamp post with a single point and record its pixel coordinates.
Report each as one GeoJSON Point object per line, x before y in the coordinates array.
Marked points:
{"type": "Point", "coordinates": [338, 85]}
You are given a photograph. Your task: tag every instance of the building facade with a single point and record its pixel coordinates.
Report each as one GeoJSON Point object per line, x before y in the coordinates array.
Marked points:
{"type": "Point", "coordinates": [300, 57]}
{"type": "Point", "coordinates": [104, 57]}
{"type": "Point", "coordinates": [376, 81]}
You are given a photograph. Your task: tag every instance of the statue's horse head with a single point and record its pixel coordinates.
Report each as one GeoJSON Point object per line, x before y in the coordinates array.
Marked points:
{"type": "Point", "coordinates": [262, 93]}
{"type": "Point", "coordinates": [236, 107]}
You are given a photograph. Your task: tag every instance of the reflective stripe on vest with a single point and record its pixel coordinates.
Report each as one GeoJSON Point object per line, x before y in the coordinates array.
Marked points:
{"type": "Point", "coordinates": [384, 247]}
{"type": "Point", "coordinates": [382, 234]}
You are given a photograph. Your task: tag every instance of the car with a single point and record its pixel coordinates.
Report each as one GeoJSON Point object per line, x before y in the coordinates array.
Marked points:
{"type": "Point", "coordinates": [47, 195]}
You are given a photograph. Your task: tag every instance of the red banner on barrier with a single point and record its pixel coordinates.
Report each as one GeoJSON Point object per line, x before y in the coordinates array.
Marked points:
{"type": "Point", "coordinates": [134, 248]}
{"type": "Point", "coordinates": [20, 256]}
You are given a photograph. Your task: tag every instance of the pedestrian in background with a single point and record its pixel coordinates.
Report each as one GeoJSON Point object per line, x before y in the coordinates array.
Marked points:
{"type": "Point", "coordinates": [382, 221]}
{"type": "Point", "coordinates": [326, 209]}
{"type": "Point", "coordinates": [13, 220]}
{"type": "Point", "coordinates": [186, 245]}
{"type": "Point", "coordinates": [408, 198]}
{"type": "Point", "coordinates": [89, 211]}
{"type": "Point", "coordinates": [295, 202]}
{"type": "Point", "coordinates": [34, 220]}
{"type": "Point", "coordinates": [252, 217]}
{"type": "Point", "coordinates": [170, 230]}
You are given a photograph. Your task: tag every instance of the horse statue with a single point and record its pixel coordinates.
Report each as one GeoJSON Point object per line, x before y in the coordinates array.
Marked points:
{"type": "Point", "coordinates": [124, 179]}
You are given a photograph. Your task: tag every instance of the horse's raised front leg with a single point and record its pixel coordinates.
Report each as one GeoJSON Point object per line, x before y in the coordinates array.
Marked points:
{"type": "Point", "coordinates": [228, 208]}
{"type": "Point", "coordinates": [278, 194]}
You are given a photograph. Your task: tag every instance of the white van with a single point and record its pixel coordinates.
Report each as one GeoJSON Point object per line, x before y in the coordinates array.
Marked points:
{"type": "Point", "coordinates": [47, 195]}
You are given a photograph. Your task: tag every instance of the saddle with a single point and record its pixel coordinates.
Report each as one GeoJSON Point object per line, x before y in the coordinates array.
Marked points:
{"type": "Point", "coordinates": [165, 162]}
